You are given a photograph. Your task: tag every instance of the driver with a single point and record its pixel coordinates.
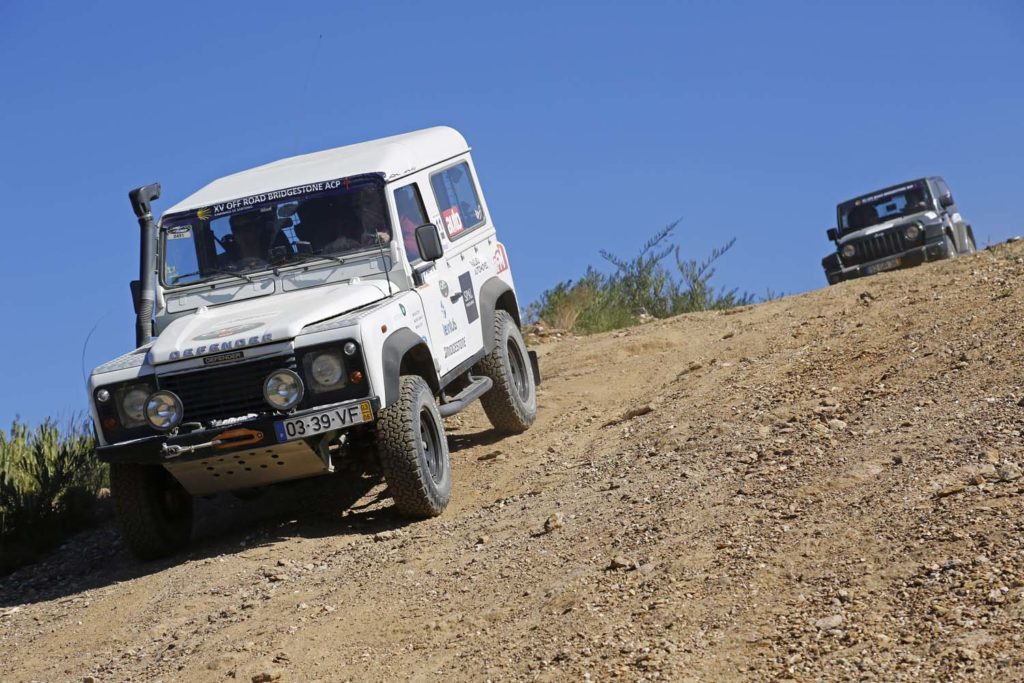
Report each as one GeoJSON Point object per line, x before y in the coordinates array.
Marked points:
{"type": "Point", "coordinates": [915, 201]}
{"type": "Point", "coordinates": [249, 232]}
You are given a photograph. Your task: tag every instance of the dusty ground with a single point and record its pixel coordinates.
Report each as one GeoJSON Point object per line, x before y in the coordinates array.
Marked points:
{"type": "Point", "coordinates": [826, 487]}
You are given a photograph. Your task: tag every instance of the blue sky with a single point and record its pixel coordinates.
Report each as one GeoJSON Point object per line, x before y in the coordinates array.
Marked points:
{"type": "Point", "coordinates": [593, 124]}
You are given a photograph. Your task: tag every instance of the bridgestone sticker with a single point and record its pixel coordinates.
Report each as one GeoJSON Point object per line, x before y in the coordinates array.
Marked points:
{"type": "Point", "coordinates": [453, 349]}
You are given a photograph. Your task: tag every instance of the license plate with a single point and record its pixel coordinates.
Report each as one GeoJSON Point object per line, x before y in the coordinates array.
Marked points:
{"type": "Point", "coordinates": [887, 264]}
{"type": "Point", "coordinates": [323, 421]}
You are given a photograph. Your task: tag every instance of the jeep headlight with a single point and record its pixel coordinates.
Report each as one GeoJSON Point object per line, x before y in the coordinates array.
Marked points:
{"type": "Point", "coordinates": [283, 389]}
{"type": "Point", "coordinates": [912, 232]}
{"type": "Point", "coordinates": [848, 250]}
{"type": "Point", "coordinates": [133, 406]}
{"type": "Point", "coordinates": [163, 410]}
{"type": "Point", "coordinates": [327, 370]}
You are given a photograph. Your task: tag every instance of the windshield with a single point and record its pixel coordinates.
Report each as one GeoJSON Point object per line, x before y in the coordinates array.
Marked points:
{"type": "Point", "coordinates": [329, 218]}
{"type": "Point", "coordinates": [884, 206]}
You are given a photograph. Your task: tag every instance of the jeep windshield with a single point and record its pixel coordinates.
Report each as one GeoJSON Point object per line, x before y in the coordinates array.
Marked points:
{"type": "Point", "coordinates": [883, 206]}
{"type": "Point", "coordinates": [320, 220]}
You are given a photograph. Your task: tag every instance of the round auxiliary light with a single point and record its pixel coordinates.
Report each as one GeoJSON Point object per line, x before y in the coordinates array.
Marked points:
{"type": "Point", "coordinates": [327, 369]}
{"type": "Point", "coordinates": [134, 404]}
{"type": "Point", "coordinates": [164, 410]}
{"type": "Point", "coordinates": [350, 348]}
{"type": "Point", "coordinates": [283, 389]}
{"type": "Point", "coordinates": [849, 250]}
{"type": "Point", "coordinates": [102, 395]}
{"type": "Point", "coordinates": [912, 232]}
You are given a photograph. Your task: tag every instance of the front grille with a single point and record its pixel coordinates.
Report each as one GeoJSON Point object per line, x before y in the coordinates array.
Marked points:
{"type": "Point", "coordinates": [877, 246]}
{"type": "Point", "coordinates": [223, 392]}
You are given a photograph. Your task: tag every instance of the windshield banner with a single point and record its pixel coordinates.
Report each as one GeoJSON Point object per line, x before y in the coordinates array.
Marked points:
{"type": "Point", "coordinates": [887, 193]}
{"type": "Point", "coordinates": [344, 184]}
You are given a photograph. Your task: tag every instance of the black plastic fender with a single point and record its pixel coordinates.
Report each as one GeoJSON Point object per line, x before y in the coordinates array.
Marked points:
{"type": "Point", "coordinates": [395, 348]}
{"type": "Point", "coordinates": [492, 291]}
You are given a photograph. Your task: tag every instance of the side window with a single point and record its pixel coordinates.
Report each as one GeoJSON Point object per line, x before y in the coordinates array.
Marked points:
{"type": "Point", "coordinates": [457, 199]}
{"type": "Point", "coordinates": [411, 215]}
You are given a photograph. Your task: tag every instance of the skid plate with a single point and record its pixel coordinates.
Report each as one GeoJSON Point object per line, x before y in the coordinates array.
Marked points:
{"type": "Point", "coordinates": [245, 469]}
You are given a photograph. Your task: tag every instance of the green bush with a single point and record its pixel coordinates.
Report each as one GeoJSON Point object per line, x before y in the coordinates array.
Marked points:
{"type": "Point", "coordinates": [49, 480]}
{"type": "Point", "coordinates": [640, 287]}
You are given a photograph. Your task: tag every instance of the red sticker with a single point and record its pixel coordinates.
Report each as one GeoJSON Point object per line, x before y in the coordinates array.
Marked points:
{"type": "Point", "coordinates": [501, 258]}
{"type": "Point", "coordinates": [452, 221]}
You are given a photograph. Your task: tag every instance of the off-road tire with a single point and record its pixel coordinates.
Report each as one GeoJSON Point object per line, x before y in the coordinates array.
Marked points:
{"type": "Point", "coordinates": [972, 246]}
{"type": "Point", "coordinates": [511, 404]}
{"type": "Point", "coordinates": [951, 249]}
{"type": "Point", "coordinates": [154, 511]}
{"type": "Point", "coordinates": [413, 451]}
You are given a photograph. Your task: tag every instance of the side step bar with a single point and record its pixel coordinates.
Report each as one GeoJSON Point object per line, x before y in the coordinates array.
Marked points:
{"type": "Point", "coordinates": [477, 388]}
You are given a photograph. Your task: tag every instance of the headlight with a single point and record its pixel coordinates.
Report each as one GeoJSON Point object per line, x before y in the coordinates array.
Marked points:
{"type": "Point", "coordinates": [163, 410]}
{"type": "Point", "coordinates": [327, 370]}
{"type": "Point", "coordinates": [912, 232]}
{"type": "Point", "coordinates": [283, 389]}
{"type": "Point", "coordinates": [133, 406]}
{"type": "Point", "coordinates": [102, 396]}
{"type": "Point", "coordinates": [848, 251]}
{"type": "Point", "coordinates": [350, 348]}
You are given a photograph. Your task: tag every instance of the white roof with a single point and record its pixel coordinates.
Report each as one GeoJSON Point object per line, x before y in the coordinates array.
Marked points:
{"type": "Point", "coordinates": [393, 156]}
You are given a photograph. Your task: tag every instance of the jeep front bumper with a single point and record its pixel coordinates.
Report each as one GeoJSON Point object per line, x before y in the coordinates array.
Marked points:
{"type": "Point", "coordinates": [241, 455]}
{"type": "Point", "coordinates": [932, 251]}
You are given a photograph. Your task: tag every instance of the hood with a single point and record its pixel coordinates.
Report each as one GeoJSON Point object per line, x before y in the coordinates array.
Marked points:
{"type": "Point", "coordinates": [257, 321]}
{"type": "Point", "coordinates": [924, 216]}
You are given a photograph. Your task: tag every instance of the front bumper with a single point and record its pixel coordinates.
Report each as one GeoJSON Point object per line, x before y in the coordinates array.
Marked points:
{"type": "Point", "coordinates": [258, 433]}
{"type": "Point", "coordinates": [930, 251]}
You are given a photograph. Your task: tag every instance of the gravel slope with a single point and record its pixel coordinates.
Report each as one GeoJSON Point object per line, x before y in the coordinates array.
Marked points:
{"type": "Point", "coordinates": [825, 487]}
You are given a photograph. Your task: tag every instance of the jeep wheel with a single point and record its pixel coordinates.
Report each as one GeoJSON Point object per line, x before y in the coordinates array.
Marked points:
{"type": "Point", "coordinates": [414, 451]}
{"type": "Point", "coordinates": [951, 249]}
{"type": "Point", "coordinates": [971, 245]}
{"type": "Point", "coordinates": [511, 404]}
{"type": "Point", "coordinates": [154, 510]}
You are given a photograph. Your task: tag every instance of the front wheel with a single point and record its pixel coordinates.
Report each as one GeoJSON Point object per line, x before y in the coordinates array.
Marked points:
{"type": "Point", "coordinates": [413, 451]}
{"type": "Point", "coordinates": [511, 404]}
{"type": "Point", "coordinates": [154, 510]}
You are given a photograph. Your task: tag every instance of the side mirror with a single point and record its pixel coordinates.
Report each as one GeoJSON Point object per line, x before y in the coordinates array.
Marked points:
{"type": "Point", "coordinates": [833, 234]}
{"type": "Point", "coordinates": [428, 241]}
{"type": "Point", "coordinates": [946, 201]}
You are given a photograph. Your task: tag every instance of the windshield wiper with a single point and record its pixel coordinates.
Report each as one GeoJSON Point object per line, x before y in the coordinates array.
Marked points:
{"type": "Point", "coordinates": [216, 271]}
{"type": "Point", "coordinates": [302, 258]}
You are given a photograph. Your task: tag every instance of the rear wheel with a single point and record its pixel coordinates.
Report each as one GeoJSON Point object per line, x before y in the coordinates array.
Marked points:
{"type": "Point", "coordinates": [971, 245]}
{"type": "Point", "coordinates": [951, 251]}
{"type": "Point", "coordinates": [154, 511]}
{"type": "Point", "coordinates": [413, 451]}
{"type": "Point", "coordinates": [511, 404]}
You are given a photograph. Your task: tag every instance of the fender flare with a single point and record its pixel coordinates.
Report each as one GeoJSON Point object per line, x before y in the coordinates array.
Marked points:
{"type": "Point", "coordinates": [494, 289]}
{"type": "Point", "coordinates": [394, 350]}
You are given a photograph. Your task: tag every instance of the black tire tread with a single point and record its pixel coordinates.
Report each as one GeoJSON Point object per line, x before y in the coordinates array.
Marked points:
{"type": "Point", "coordinates": [505, 412]}
{"type": "Point", "coordinates": [149, 533]}
{"type": "Point", "coordinates": [397, 444]}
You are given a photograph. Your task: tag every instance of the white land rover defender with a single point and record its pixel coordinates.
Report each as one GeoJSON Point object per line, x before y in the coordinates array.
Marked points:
{"type": "Point", "coordinates": [898, 227]}
{"type": "Point", "coordinates": [288, 314]}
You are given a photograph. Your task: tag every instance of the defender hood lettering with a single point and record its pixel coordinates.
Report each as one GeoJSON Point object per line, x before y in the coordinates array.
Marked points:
{"type": "Point", "coordinates": [253, 322]}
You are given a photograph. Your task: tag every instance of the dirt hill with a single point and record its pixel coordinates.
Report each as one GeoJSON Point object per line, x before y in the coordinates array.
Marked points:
{"type": "Point", "coordinates": [823, 487]}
